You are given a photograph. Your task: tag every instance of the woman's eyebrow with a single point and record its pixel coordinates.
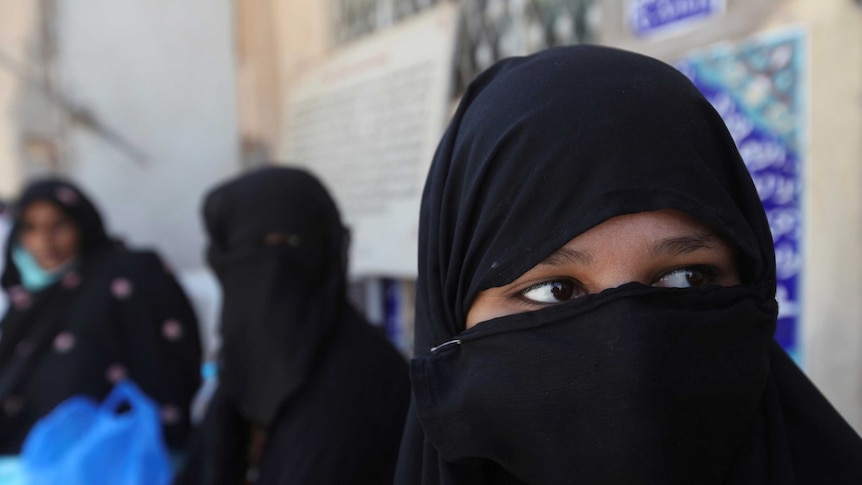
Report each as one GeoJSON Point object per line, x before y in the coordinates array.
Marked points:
{"type": "Point", "coordinates": [564, 256]}
{"type": "Point", "coordinates": [685, 244]}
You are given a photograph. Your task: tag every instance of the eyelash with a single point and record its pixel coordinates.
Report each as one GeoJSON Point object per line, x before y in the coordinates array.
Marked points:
{"type": "Point", "coordinates": [708, 272]}
{"type": "Point", "coordinates": [522, 294]}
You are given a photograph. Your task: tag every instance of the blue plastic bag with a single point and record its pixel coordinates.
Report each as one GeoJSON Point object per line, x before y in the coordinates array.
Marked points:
{"type": "Point", "coordinates": [84, 443]}
{"type": "Point", "coordinates": [10, 470]}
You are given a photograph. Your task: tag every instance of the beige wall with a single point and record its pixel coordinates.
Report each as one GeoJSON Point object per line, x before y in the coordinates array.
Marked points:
{"type": "Point", "coordinates": [19, 35]}
{"type": "Point", "coordinates": [277, 41]}
{"type": "Point", "coordinates": [258, 78]}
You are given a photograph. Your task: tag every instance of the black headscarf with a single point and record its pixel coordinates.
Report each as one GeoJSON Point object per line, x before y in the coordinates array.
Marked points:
{"type": "Point", "coordinates": [297, 362]}
{"type": "Point", "coordinates": [71, 202]}
{"type": "Point", "coordinates": [117, 314]}
{"type": "Point", "coordinates": [632, 385]}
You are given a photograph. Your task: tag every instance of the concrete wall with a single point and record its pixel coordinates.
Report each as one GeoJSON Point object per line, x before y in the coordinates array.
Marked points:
{"type": "Point", "coordinates": [160, 74]}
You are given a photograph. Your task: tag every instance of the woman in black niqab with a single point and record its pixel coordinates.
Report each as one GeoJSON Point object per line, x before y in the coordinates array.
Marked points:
{"type": "Point", "coordinates": [108, 314]}
{"type": "Point", "coordinates": [633, 384]}
{"type": "Point", "coordinates": [308, 391]}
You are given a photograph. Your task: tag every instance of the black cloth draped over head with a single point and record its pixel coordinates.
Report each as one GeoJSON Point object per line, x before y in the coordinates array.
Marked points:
{"type": "Point", "coordinates": [635, 384]}
{"type": "Point", "coordinates": [114, 314]}
{"type": "Point", "coordinates": [297, 363]}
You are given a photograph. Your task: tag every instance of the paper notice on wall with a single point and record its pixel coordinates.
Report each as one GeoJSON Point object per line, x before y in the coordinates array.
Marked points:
{"type": "Point", "coordinates": [367, 121]}
{"type": "Point", "coordinates": [758, 88]}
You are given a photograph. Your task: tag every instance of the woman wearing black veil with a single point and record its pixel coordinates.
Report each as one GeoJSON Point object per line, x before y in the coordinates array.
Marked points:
{"type": "Point", "coordinates": [596, 293]}
{"type": "Point", "coordinates": [308, 391]}
{"type": "Point", "coordinates": [86, 313]}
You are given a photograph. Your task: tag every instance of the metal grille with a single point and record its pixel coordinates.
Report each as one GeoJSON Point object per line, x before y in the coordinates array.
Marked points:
{"type": "Point", "coordinates": [490, 30]}
{"type": "Point", "coordinates": [356, 18]}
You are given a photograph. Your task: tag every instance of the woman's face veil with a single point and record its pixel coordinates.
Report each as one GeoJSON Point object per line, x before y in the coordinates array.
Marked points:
{"type": "Point", "coordinates": [277, 247]}
{"type": "Point", "coordinates": [633, 382]}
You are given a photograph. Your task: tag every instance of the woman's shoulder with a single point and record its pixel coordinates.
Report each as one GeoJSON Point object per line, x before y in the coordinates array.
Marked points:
{"type": "Point", "coordinates": [137, 257]}
{"type": "Point", "coordinates": [124, 269]}
{"type": "Point", "coordinates": [135, 262]}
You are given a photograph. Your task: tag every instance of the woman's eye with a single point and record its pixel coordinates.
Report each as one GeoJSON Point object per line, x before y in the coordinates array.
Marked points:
{"type": "Point", "coordinates": [549, 292]}
{"type": "Point", "coordinates": [685, 278]}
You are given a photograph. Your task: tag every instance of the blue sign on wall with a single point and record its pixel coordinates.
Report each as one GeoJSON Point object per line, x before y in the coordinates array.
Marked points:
{"type": "Point", "coordinates": [650, 16]}
{"type": "Point", "coordinates": [758, 87]}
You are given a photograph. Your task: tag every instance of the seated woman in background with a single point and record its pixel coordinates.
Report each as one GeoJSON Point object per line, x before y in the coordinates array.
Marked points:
{"type": "Point", "coordinates": [86, 313]}
{"type": "Point", "coordinates": [309, 392]}
{"type": "Point", "coordinates": [596, 293]}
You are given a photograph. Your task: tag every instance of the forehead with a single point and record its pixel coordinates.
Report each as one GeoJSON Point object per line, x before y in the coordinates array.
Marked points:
{"type": "Point", "coordinates": [42, 210]}
{"type": "Point", "coordinates": [649, 224]}
{"type": "Point", "coordinates": [665, 231]}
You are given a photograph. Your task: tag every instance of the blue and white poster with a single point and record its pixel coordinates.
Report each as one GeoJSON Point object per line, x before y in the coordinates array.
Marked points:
{"type": "Point", "coordinates": [647, 17]}
{"type": "Point", "coordinates": [758, 88]}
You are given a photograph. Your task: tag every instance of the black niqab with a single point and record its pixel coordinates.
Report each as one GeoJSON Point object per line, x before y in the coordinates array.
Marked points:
{"type": "Point", "coordinates": [282, 296]}
{"type": "Point", "coordinates": [297, 361]}
{"type": "Point", "coordinates": [635, 384]}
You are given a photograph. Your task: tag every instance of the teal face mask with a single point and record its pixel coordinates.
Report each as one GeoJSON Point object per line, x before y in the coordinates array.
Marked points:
{"type": "Point", "coordinates": [33, 277]}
